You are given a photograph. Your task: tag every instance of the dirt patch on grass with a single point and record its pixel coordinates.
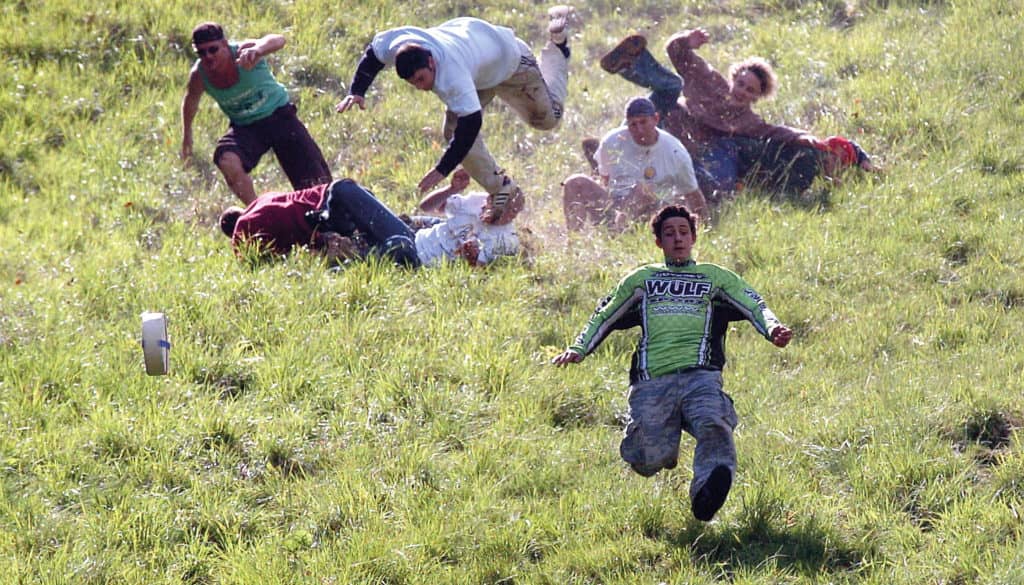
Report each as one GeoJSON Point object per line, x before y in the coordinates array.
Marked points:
{"type": "Point", "coordinates": [989, 431]}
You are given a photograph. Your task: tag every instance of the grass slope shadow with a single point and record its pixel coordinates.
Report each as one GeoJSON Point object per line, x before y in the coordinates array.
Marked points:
{"type": "Point", "coordinates": [755, 541]}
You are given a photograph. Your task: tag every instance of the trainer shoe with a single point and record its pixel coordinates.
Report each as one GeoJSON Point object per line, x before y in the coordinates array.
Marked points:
{"type": "Point", "coordinates": [560, 17]}
{"type": "Point", "coordinates": [624, 54]}
{"type": "Point", "coordinates": [504, 205]}
{"type": "Point", "coordinates": [712, 494]}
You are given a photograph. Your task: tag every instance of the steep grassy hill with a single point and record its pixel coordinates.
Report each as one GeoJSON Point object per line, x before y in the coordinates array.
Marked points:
{"type": "Point", "coordinates": [376, 425]}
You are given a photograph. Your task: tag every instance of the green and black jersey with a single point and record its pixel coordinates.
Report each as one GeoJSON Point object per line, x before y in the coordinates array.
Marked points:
{"type": "Point", "coordinates": [682, 310]}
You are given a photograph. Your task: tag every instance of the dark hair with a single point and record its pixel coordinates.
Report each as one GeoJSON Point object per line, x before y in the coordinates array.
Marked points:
{"type": "Point", "coordinates": [673, 211]}
{"type": "Point", "coordinates": [410, 59]}
{"type": "Point", "coordinates": [640, 106]}
{"type": "Point", "coordinates": [207, 32]}
{"type": "Point", "coordinates": [760, 68]}
{"type": "Point", "coordinates": [229, 218]}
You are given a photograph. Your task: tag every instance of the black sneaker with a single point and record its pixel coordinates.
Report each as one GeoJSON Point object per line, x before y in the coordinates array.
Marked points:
{"type": "Point", "coordinates": [712, 495]}
{"type": "Point", "coordinates": [313, 217]}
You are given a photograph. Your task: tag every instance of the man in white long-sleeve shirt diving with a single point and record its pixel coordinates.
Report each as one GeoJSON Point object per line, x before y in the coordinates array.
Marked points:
{"type": "Point", "coordinates": [468, 62]}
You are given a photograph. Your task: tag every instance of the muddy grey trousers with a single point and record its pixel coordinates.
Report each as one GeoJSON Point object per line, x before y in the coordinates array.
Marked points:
{"type": "Point", "coordinates": [661, 408]}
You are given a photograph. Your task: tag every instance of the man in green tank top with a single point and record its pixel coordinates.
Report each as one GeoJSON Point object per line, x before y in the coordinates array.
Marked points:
{"type": "Point", "coordinates": [260, 112]}
{"type": "Point", "coordinates": [676, 382]}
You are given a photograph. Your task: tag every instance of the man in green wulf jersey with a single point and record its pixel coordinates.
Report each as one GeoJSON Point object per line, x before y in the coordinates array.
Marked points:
{"type": "Point", "coordinates": [676, 378]}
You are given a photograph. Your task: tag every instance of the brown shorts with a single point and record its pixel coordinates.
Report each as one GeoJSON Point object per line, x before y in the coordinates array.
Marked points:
{"type": "Point", "coordinates": [282, 131]}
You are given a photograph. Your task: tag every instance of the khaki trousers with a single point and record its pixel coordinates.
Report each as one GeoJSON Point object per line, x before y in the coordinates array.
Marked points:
{"type": "Point", "coordinates": [536, 92]}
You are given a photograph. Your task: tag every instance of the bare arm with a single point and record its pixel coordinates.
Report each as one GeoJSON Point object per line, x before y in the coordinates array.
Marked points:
{"type": "Point", "coordinates": [695, 202]}
{"type": "Point", "coordinates": [251, 51]}
{"type": "Point", "coordinates": [189, 106]}
{"type": "Point", "coordinates": [690, 65]}
{"type": "Point", "coordinates": [681, 49]}
{"type": "Point", "coordinates": [434, 202]}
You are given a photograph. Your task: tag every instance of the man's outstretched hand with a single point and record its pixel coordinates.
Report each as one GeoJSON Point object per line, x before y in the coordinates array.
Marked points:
{"type": "Point", "coordinates": [781, 335]}
{"type": "Point", "coordinates": [430, 180]}
{"type": "Point", "coordinates": [349, 101]}
{"type": "Point", "coordinates": [567, 357]}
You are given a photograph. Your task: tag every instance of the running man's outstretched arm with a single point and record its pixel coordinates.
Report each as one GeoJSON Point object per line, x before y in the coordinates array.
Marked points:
{"type": "Point", "coordinates": [250, 52]}
{"type": "Point", "coordinates": [613, 309]}
{"type": "Point", "coordinates": [367, 70]}
{"type": "Point", "coordinates": [467, 128]}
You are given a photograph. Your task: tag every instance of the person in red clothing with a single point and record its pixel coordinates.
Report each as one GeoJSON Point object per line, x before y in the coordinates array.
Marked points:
{"type": "Point", "coordinates": [341, 220]}
{"type": "Point", "coordinates": [729, 142]}
{"type": "Point", "coordinates": [274, 221]}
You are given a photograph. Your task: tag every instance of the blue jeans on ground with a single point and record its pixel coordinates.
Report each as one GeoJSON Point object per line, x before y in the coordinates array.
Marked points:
{"type": "Point", "coordinates": [780, 167]}
{"type": "Point", "coordinates": [348, 208]}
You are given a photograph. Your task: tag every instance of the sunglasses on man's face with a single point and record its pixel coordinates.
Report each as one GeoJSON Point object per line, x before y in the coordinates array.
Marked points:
{"type": "Point", "coordinates": [207, 51]}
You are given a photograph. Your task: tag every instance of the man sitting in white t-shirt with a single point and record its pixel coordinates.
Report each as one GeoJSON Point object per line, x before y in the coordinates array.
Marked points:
{"type": "Point", "coordinates": [642, 169]}
{"type": "Point", "coordinates": [468, 62]}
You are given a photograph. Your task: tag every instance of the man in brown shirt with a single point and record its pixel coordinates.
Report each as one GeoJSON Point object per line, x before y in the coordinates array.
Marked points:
{"type": "Point", "coordinates": [729, 142]}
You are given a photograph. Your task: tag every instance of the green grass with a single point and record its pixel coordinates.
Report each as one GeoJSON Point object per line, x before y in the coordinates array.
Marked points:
{"type": "Point", "coordinates": [382, 426]}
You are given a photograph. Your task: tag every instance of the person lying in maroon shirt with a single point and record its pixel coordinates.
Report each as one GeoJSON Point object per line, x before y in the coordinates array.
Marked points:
{"type": "Point", "coordinates": [341, 220]}
{"type": "Point", "coordinates": [276, 222]}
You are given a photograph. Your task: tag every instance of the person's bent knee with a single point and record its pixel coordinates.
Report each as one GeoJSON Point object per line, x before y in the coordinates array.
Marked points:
{"type": "Point", "coordinates": [645, 470]}
{"type": "Point", "coordinates": [577, 179]}
{"type": "Point", "coordinates": [648, 469]}
{"type": "Point", "coordinates": [647, 461]}
{"type": "Point", "coordinates": [342, 186]}
{"type": "Point", "coordinates": [578, 183]}
{"type": "Point", "coordinates": [337, 192]}
{"type": "Point", "coordinates": [545, 119]}
{"type": "Point", "coordinates": [334, 212]}
{"type": "Point", "coordinates": [402, 250]}
{"type": "Point", "coordinates": [716, 428]}
{"type": "Point", "coordinates": [549, 123]}
{"type": "Point", "coordinates": [228, 161]}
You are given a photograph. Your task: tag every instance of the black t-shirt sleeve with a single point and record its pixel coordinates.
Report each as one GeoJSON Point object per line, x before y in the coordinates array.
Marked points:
{"type": "Point", "coordinates": [467, 128]}
{"type": "Point", "coordinates": [367, 70]}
